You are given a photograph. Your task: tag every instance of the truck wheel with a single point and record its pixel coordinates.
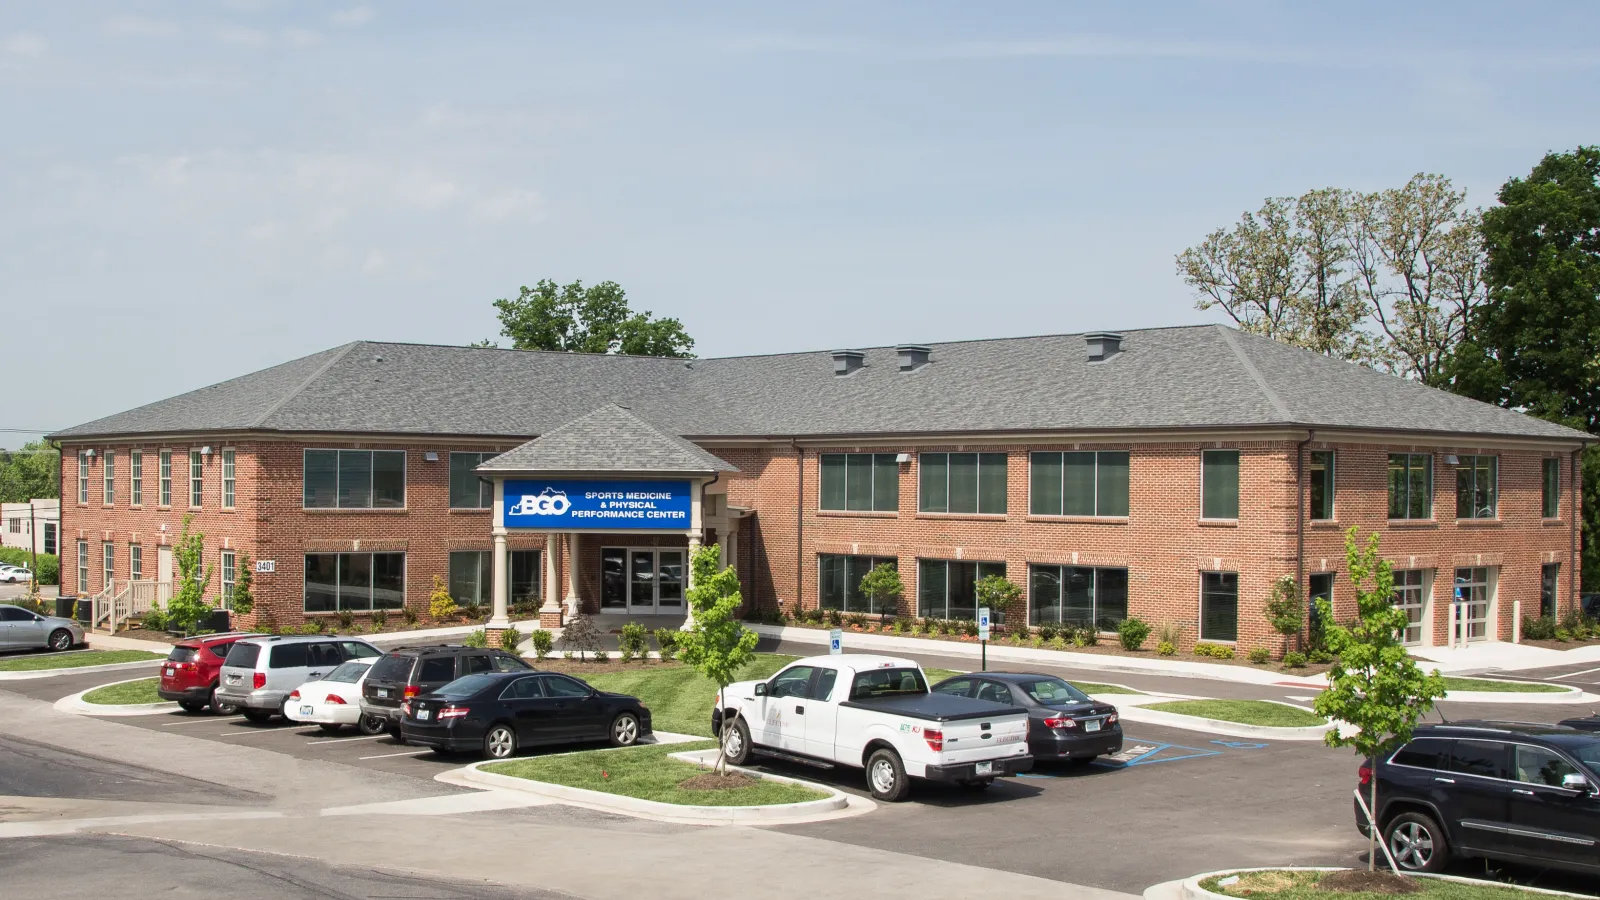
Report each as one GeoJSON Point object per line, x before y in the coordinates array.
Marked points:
{"type": "Point", "coordinates": [736, 744]}
{"type": "Point", "coordinates": [886, 776]}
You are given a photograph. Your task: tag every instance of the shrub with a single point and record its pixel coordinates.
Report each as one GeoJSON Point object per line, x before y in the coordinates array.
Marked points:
{"type": "Point", "coordinates": [243, 600]}
{"type": "Point", "coordinates": [580, 634]}
{"type": "Point", "coordinates": [1049, 631]}
{"type": "Point", "coordinates": [1294, 660]}
{"type": "Point", "coordinates": [1563, 635]}
{"type": "Point", "coordinates": [409, 615]}
{"type": "Point", "coordinates": [667, 642]}
{"type": "Point", "coordinates": [1169, 633]}
{"type": "Point", "coordinates": [1058, 642]}
{"type": "Point", "coordinates": [1132, 633]}
{"type": "Point", "coordinates": [155, 619]}
{"type": "Point", "coordinates": [380, 618]}
{"type": "Point", "coordinates": [510, 639]}
{"type": "Point", "coordinates": [1319, 655]}
{"type": "Point", "coordinates": [440, 604]}
{"type": "Point", "coordinates": [1091, 635]}
{"type": "Point", "coordinates": [835, 618]}
{"type": "Point", "coordinates": [882, 586]}
{"type": "Point", "coordinates": [634, 642]}
{"type": "Point", "coordinates": [969, 627]}
{"type": "Point", "coordinates": [1036, 641]}
{"type": "Point", "coordinates": [1165, 648]}
{"type": "Point", "coordinates": [347, 619]}
{"type": "Point", "coordinates": [855, 619]}
{"type": "Point", "coordinates": [1260, 656]}
{"type": "Point", "coordinates": [472, 611]}
{"type": "Point", "coordinates": [46, 570]}
{"type": "Point", "coordinates": [478, 638]}
{"type": "Point", "coordinates": [1080, 636]}
{"type": "Point", "coordinates": [999, 594]}
{"type": "Point", "coordinates": [543, 641]}
{"type": "Point", "coordinates": [1539, 628]}
{"type": "Point", "coordinates": [1215, 651]}
{"type": "Point", "coordinates": [600, 656]}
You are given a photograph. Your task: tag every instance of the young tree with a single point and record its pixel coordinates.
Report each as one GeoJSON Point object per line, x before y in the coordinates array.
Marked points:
{"type": "Point", "coordinates": [1374, 684]}
{"type": "Point", "coordinates": [597, 319]}
{"type": "Point", "coordinates": [244, 602]}
{"type": "Point", "coordinates": [188, 606]}
{"type": "Point", "coordinates": [1285, 612]}
{"type": "Point", "coordinates": [882, 587]}
{"type": "Point", "coordinates": [716, 645]}
{"type": "Point", "coordinates": [999, 594]}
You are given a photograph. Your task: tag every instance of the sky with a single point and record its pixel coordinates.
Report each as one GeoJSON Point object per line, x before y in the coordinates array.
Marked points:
{"type": "Point", "coordinates": [193, 191]}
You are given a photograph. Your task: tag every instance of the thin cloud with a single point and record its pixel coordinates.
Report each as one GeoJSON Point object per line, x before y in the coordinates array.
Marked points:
{"type": "Point", "coordinates": [134, 26]}
{"type": "Point", "coordinates": [355, 16]}
{"type": "Point", "coordinates": [24, 44]}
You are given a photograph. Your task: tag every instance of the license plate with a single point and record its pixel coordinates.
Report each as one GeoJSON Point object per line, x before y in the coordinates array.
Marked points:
{"type": "Point", "coordinates": [1091, 725]}
{"type": "Point", "coordinates": [983, 768]}
{"type": "Point", "coordinates": [306, 710]}
{"type": "Point", "coordinates": [422, 715]}
{"type": "Point", "coordinates": [233, 679]}
{"type": "Point", "coordinates": [169, 673]}
{"type": "Point", "coordinates": [1008, 739]}
{"type": "Point", "coordinates": [383, 692]}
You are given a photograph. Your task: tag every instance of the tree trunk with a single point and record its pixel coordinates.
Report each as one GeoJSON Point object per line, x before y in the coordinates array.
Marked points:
{"type": "Point", "coordinates": [1372, 838]}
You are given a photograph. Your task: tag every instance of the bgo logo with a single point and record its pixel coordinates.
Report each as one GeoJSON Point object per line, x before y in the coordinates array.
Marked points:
{"type": "Point", "coordinates": [550, 503]}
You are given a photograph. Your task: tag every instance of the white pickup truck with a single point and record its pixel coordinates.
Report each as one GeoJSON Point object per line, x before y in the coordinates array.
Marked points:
{"type": "Point", "coordinates": [873, 713]}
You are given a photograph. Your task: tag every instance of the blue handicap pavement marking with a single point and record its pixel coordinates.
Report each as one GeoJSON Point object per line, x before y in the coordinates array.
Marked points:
{"type": "Point", "coordinates": [1240, 745]}
{"type": "Point", "coordinates": [1144, 753]}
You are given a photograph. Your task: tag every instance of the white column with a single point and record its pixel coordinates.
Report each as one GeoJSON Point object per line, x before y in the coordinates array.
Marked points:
{"type": "Point", "coordinates": [551, 549]}
{"type": "Point", "coordinates": [574, 605]}
{"type": "Point", "coordinates": [497, 614]}
{"type": "Point", "coordinates": [696, 526]}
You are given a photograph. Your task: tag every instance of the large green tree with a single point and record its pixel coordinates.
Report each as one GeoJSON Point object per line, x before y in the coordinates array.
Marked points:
{"type": "Point", "coordinates": [32, 473]}
{"type": "Point", "coordinates": [595, 319]}
{"type": "Point", "coordinates": [1535, 344]}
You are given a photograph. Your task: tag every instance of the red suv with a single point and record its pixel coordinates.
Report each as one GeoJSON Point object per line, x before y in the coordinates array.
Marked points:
{"type": "Point", "coordinates": [189, 674]}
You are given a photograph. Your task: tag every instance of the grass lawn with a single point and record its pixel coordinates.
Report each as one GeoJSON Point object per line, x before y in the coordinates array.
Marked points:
{"type": "Point", "coordinates": [1452, 683]}
{"type": "Point", "coordinates": [1091, 687]}
{"type": "Point", "coordinates": [1278, 885]}
{"type": "Point", "coordinates": [141, 691]}
{"type": "Point", "coordinates": [1247, 712]}
{"type": "Point", "coordinates": [646, 772]}
{"type": "Point", "coordinates": [35, 662]}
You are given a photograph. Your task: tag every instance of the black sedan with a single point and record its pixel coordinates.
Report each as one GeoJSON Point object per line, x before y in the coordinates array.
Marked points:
{"type": "Point", "coordinates": [1063, 723]}
{"type": "Point", "coordinates": [1583, 723]}
{"type": "Point", "coordinates": [498, 713]}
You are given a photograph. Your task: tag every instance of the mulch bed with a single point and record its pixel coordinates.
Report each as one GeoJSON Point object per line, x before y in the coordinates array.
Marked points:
{"type": "Point", "coordinates": [711, 781]}
{"type": "Point", "coordinates": [1353, 881]}
{"type": "Point", "coordinates": [1557, 645]}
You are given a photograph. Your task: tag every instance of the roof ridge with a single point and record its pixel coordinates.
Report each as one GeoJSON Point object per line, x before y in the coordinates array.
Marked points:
{"type": "Point", "coordinates": [268, 412]}
{"type": "Point", "coordinates": [1255, 374]}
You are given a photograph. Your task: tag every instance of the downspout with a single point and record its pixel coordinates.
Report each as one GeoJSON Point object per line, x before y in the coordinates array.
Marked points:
{"type": "Point", "coordinates": [1300, 522]}
{"type": "Point", "coordinates": [799, 525]}
{"type": "Point", "coordinates": [1575, 562]}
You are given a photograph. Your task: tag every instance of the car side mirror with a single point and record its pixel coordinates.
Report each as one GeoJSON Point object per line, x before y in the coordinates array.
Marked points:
{"type": "Point", "coordinates": [1573, 781]}
{"type": "Point", "coordinates": [761, 689]}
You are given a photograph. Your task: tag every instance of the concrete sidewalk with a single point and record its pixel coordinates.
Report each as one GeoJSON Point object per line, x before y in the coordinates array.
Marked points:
{"type": "Point", "coordinates": [1500, 656]}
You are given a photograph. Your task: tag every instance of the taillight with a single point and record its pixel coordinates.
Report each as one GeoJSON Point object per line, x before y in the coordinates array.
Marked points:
{"type": "Point", "coordinates": [406, 707]}
{"type": "Point", "coordinates": [452, 712]}
{"type": "Point", "coordinates": [1111, 719]}
{"type": "Point", "coordinates": [335, 699]}
{"type": "Point", "coordinates": [934, 737]}
{"type": "Point", "coordinates": [294, 694]}
{"type": "Point", "coordinates": [411, 691]}
{"type": "Point", "coordinates": [259, 681]}
{"type": "Point", "coordinates": [1364, 775]}
{"type": "Point", "coordinates": [1059, 722]}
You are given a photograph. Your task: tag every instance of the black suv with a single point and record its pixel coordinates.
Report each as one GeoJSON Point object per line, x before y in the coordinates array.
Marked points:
{"type": "Point", "coordinates": [1507, 790]}
{"type": "Point", "coordinates": [413, 671]}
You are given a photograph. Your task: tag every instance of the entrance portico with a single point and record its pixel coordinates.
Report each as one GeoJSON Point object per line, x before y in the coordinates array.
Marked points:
{"type": "Point", "coordinates": [610, 487]}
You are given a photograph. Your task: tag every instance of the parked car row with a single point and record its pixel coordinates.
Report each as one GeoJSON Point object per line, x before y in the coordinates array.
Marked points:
{"type": "Point", "coordinates": [24, 629]}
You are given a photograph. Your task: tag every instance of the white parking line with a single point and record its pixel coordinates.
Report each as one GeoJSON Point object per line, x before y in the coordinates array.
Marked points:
{"type": "Point", "coordinates": [1572, 674]}
{"type": "Point", "coordinates": [208, 721]}
{"type": "Point", "coordinates": [346, 740]}
{"type": "Point", "coordinates": [252, 732]}
{"type": "Point", "coordinates": [387, 755]}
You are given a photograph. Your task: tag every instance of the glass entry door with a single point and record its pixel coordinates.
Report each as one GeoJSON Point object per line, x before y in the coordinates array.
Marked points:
{"type": "Point", "coordinates": [1408, 599]}
{"type": "Point", "coordinates": [642, 581]}
{"type": "Point", "coordinates": [1473, 585]}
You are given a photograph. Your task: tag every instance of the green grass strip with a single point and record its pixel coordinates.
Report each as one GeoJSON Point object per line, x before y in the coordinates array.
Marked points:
{"type": "Point", "coordinates": [1092, 687]}
{"type": "Point", "coordinates": [646, 772]}
{"type": "Point", "coordinates": [74, 659]}
{"type": "Point", "coordinates": [1452, 683]}
{"type": "Point", "coordinates": [1245, 712]}
{"type": "Point", "coordinates": [1287, 885]}
{"type": "Point", "coordinates": [141, 691]}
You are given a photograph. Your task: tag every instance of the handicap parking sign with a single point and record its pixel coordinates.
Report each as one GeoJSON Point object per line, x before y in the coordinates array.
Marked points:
{"type": "Point", "coordinates": [983, 624]}
{"type": "Point", "coordinates": [834, 638]}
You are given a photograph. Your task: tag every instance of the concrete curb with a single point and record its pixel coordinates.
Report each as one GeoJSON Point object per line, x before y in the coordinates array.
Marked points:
{"type": "Point", "coordinates": [1219, 726]}
{"type": "Point", "coordinates": [1193, 891]}
{"type": "Point", "coordinates": [1568, 694]}
{"type": "Point", "coordinates": [74, 703]}
{"type": "Point", "coordinates": [52, 673]}
{"type": "Point", "coordinates": [792, 813]}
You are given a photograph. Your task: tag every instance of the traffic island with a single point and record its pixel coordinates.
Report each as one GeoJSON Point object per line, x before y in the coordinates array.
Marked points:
{"type": "Point", "coordinates": [1501, 690]}
{"type": "Point", "coordinates": [76, 662]}
{"type": "Point", "coordinates": [1356, 884]}
{"type": "Point", "coordinates": [135, 697]}
{"type": "Point", "coordinates": [1231, 718]}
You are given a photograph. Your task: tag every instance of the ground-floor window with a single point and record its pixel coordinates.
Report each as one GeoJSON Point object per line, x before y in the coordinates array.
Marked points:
{"type": "Point", "coordinates": [1472, 592]}
{"type": "Point", "coordinates": [354, 581]}
{"type": "Point", "coordinates": [1319, 587]}
{"type": "Point", "coordinates": [472, 577]}
{"type": "Point", "coordinates": [230, 576]}
{"type": "Point", "coordinates": [110, 563]}
{"type": "Point", "coordinates": [1077, 595]}
{"type": "Point", "coordinates": [642, 579]}
{"type": "Point", "coordinates": [1219, 606]}
{"type": "Point", "coordinates": [83, 567]}
{"type": "Point", "coordinates": [135, 562]}
{"type": "Point", "coordinates": [947, 589]}
{"type": "Point", "coordinates": [839, 582]}
{"type": "Point", "coordinates": [1549, 577]}
{"type": "Point", "coordinates": [1408, 598]}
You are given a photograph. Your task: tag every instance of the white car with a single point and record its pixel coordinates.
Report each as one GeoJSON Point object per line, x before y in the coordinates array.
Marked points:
{"type": "Point", "coordinates": [13, 574]}
{"type": "Point", "coordinates": [334, 700]}
{"type": "Point", "coordinates": [873, 713]}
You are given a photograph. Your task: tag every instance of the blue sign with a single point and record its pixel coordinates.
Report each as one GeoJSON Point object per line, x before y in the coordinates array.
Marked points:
{"type": "Point", "coordinates": [565, 505]}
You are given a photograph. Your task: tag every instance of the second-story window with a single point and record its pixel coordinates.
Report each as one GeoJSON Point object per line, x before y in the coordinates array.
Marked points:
{"type": "Point", "coordinates": [109, 469]}
{"type": "Point", "coordinates": [962, 483]}
{"type": "Point", "coordinates": [197, 471]}
{"type": "Point", "coordinates": [860, 482]}
{"type": "Point", "coordinates": [1322, 484]}
{"type": "Point", "coordinates": [467, 490]}
{"type": "Point", "coordinates": [165, 476]}
{"type": "Point", "coordinates": [355, 479]}
{"type": "Point", "coordinates": [135, 477]}
{"type": "Point", "coordinates": [1219, 484]}
{"type": "Point", "coordinates": [83, 477]}
{"type": "Point", "coordinates": [1477, 486]}
{"type": "Point", "coordinates": [1410, 486]}
{"type": "Point", "coordinates": [1078, 483]}
{"type": "Point", "coordinates": [228, 479]}
{"type": "Point", "coordinates": [1550, 499]}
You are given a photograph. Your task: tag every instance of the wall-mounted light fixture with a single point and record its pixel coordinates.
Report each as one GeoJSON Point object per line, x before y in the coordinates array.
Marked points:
{"type": "Point", "coordinates": [903, 458]}
{"type": "Point", "coordinates": [1451, 460]}
{"type": "Point", "coordinates": [431, 456]}
{"type": "Point", "coordinates": [206, 450]}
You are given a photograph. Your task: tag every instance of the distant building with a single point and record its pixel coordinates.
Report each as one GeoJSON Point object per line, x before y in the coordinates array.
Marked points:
{"type": "Point", "coordinates": [35, 524]}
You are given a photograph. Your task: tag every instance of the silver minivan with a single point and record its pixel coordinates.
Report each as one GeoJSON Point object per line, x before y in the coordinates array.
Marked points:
{"type": "Point", "coordinates": [259, 673]}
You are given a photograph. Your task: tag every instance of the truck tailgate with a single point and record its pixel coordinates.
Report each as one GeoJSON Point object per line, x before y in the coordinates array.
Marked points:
{"type": "Point", "coordinates": [970, 739]}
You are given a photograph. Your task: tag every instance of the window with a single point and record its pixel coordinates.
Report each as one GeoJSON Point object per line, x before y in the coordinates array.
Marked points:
{"type": "Point", "coordinates": [1410, 486]}
{"type": "Point", "coordinates": [135, 562]}
{"type": "Point", "coordinates": [472, 577]}
{"type": "Point", "coordinates": [1477, 480]}
{"type": "Point", "coordinates": [1219, 484]}
{"type": "Point", "coordinates": [1320, 588]}
{"type": "Point", "coordinates": [230, 574]}
{"type": "Point", "coordinates": [1408, 597]}
{"type": "Point", "coordinates": [822, 688]}
{"type": "Point", "coordinates": [860, 482]}
{"type": "Point", "coordinates": [228, 473]}
{"type": "Point", "coordinates": [289, 656]}
{"type": "Point", "coordinates": [136, 477]}
{"type": "Point", "coordinates": [522, 689]}
{"type": "Point", "coordinates": [197, 470]}
{"type": "Point", "coordinates": [794, 681]}
{"type": "Point", "coordinates": [1472, 586]}
{"type": "Point", "coordinates": [1549, 579]}
{"type": "Point", "coordinates": [1550, 501]}
{"type": "Point", "coordinates": [839, 582]}
{"type": "Point", "coordinates": [164, 463]}
{"type": "Point", "coordinates": [437, 668]}
{"type": "Point", "coordinates": [1219, 606]}
{"type": "Point", "coordinates": [1078, 484]}
{"type": "Point", "coordinates": [562, 686]}
{"type": "Point", "coordinates": [109, 563]}
{"type": "Point", "coordinates": [946, 589]}
{"type": "Point", "coordinates": [994, 692]}
{"type": "Point", "coordinates": [83, 567]}
{"type": "Point", "coordinates": [14, 524]}
{"type": "Point", "coordinates": [466, 490]}
{"type": "Point", "coordinates": [962, 483]}
{"type": "Point", "coordinates": [1077, 595]}
{"type": "Point", "coordinates": [956, 687]}
{"type": "Point", "coordinates": [109, 470]}
{"type": "Point", "coordinates": [355, 479]}
{"type": "Point", "coordinates": [83, 477]}
{"type": "Point", "coordinates": [1488, 759]}
{"type": "Point", "coordinates": [1424, 753]}
{"type": "Point", "coordinates": [354, 581]}
{"type": "Point", "coordinates": [50, 537]}
{"type": "Point", "coordinates": [1538, 765]}
{"type": "Point", "coordinates": [887, 683]}
{"type": "Point", "coordinates": [1322, 485]}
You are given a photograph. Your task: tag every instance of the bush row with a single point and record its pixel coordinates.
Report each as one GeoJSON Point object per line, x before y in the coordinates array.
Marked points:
{"type": "Point", "coordinates": [49, 565]}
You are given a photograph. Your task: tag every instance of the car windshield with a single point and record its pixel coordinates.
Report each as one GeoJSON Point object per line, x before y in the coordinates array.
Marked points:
{"type": "Point", "coordinates": [887, 683]}
{"type": "Point", "coordinates": [467, 685]}
{"type": "Point", "coordinates": [348, 673]}
{"type": "Point", "coordinates": [1050, 691]}
{"type": "Point", "coordinates": [1588, 753]}
{"type": "Point", "coordinates": [392, 668]}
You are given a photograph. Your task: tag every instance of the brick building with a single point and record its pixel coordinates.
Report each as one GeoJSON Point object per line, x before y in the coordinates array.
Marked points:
{"type": "Point", "coordinates": [1170, 474]}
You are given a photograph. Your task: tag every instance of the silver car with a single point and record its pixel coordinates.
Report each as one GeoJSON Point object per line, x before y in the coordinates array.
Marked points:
{"type": "Point", "coordinates": [22, 629]}
{"type": "Point", "coordinates": [259, 673]}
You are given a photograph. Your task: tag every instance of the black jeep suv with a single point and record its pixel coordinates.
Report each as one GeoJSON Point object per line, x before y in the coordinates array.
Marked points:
{"type": "Point", "coordinates": [1508, 790]}
{"type": "Point", "coordinates": [413, 671]}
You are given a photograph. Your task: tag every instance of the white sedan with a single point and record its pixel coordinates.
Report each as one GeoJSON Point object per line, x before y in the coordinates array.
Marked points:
{"type": "Point", "coordinates": [334, 701]}
{"type": "Point", "coordinates": [14, 574]}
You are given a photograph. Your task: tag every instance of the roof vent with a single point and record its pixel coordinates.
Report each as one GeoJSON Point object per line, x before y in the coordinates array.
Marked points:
{"type": "Point", "coordinates": [847, 361]}
{"type": "Point", "coordinates": [912, 356]}
{"type": "Point", "coordinates": [1103, 345]}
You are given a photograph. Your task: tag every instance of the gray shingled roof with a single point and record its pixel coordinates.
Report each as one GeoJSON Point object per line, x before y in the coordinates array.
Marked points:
{"type": "Point", "coordinates": [1196, 376]}
{"type": "Point", "coordinates": [610, 439]}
